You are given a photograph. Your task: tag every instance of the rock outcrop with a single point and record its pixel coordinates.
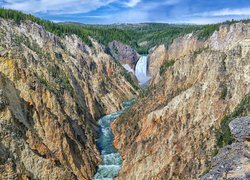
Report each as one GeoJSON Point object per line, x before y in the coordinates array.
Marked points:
{"type": "Point", "coordinates": [232, 162]}
{"type": "Point", "coordinates": [181, 46]}
{"type": "Point", "coordinates": [156, 58]}
{"type": "Point", "coordinates": [123, 53]}
{"type": "Point", "coordinates": [184, 45]}
{"type": "Point", "coordinates": [52, 91]}
{"type": "Point", "coordinates": [240, 128]}
{"type": "Point", "coordinates": [170, 133]}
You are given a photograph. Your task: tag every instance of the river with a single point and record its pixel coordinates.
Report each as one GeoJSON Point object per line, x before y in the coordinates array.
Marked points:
{"type": "Point", "coordinates": [111, 164]}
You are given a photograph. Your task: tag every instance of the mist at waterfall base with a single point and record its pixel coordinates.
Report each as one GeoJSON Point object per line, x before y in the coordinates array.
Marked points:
{"type": "Point", "coordinates": [111, 164]}
{"type": "Point", "coordinates": [141, 70]}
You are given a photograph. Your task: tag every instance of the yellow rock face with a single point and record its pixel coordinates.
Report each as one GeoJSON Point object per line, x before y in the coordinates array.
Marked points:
{"type": "Point", "coordinates": [156, 59]}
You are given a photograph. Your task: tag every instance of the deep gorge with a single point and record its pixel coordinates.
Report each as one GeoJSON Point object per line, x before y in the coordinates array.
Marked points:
{"type": "Point", "coordinates": [145, 101]}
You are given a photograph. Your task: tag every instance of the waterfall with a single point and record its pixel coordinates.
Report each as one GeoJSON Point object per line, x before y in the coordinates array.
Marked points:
{"type": "Point", "coordinates": [141, 70]}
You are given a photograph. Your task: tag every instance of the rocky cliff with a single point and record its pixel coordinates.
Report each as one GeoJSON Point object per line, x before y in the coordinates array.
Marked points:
{"type": "Point", "coordinates": [123, 53]}
{"type": "Point", "coordinates": [225, 38]}
{"type": "Point", "coordinates": [232, 162]}
{"type": "Point", "coordinates": [181, 46]}
{"type": "Point", "coordinates": [174, 129]}
{"type": "Point", "coordinates": [52, 91]}
{"type": "Point", "coordinates": [156, 58]}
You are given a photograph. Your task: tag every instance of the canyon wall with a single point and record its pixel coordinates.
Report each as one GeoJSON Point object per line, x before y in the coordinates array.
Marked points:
{"type": "Point", "coordinates": [171, 132]}
{"type": "Point", "coordinates": [52, 92]}
{"type": "Point", "coordinates": [181, 46]}
{"type": "Point", "coordinates": [225, 38]}
{"type": "Point", "coordinates": [156, 58]}
{"type": "Point", "coordinates": [123, 53]}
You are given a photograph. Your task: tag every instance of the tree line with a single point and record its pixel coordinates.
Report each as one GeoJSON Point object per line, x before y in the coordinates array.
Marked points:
{"type": "Point", "coordinates": [140, 37]}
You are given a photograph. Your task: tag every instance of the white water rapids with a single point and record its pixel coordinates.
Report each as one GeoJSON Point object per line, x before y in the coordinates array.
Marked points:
{"type": "Point", "coordinates": [112, 160]}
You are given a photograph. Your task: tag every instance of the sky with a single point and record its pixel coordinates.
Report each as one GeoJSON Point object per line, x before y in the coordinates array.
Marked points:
{"type": "Point", "coordinates": [133, 11]}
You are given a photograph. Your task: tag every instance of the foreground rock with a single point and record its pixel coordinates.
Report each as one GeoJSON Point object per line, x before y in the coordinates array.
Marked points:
{"type": "Point", "coordinates": [232, 162]}
{"type": "Point", "coordinates": [240, 128]}
{"type": "Point", "coordinates": [52, 91]}
{"type": "Point", "coordinates": [170, 133]}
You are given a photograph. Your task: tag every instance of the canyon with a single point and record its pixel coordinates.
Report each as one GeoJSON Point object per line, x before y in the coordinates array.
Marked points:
{"type": "Point", "coordinates": [76, 110]}
{"type": "Point", "coordinates": [174, 129]}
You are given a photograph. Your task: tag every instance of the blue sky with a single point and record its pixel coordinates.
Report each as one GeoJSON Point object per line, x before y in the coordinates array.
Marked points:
{"type": "Point", "coordinates": [134, 11]}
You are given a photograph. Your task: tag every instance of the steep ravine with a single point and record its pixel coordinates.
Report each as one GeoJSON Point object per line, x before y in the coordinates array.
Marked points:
{"type": "Point", "coordinates": [52, 92]}
{"type": "Point", "coordinates": [170, 132]}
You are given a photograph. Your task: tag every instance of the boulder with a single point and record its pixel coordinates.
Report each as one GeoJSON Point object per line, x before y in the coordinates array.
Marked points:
{"type": "Point", "coordinates": [240, 128]}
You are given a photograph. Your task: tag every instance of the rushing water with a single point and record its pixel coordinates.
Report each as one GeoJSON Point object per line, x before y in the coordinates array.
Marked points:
{"type": "Point", "coordinates": [141, 70]}
{"type": "Point", "coordinates": [112, 160]}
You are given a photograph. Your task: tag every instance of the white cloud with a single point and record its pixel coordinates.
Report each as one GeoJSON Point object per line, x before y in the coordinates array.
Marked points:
{"type": "Point", "coordinates": [210, 17]}
{"type": "Point", "coordinates": [199, 21]}
{"type": "Point", "coordinates": [132, 3]}
{"type": "Point", "coordinates": [228, 12]}
{"type": "Point", "coordinates": [130, 11]}
{"type": "Point", "coordinates": [56, 6]}
{"type": "Point", "coordinates": [206, 20]}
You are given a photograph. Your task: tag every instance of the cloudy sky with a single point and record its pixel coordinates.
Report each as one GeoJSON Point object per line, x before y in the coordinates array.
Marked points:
{"type": "Point", "coordinates": [133, 11]}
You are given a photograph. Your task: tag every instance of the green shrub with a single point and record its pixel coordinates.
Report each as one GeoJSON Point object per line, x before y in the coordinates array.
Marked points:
{"type": "Point", "coordinates": [223, 93]}
{"type": "Point", "coordinates": [199, 51]}
{"type": "Point", "coordinates": [224, 136]}
{"type": "Point", "coordinates": [165, 66]}
{"type": "Point", "coordinates": [207, 31]}
{"type": "Point", "coordinates": [58, 56]}
{"type": "Point", "coordinates": [61, 79]}
{"type": "Point", "coordinates": [128, 77]}
{"type": "Point", "coordinates": [44, 81]}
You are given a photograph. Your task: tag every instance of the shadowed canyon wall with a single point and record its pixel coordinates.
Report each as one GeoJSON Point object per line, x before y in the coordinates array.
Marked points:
{"type": "Point", "coordinates": [52, 91]}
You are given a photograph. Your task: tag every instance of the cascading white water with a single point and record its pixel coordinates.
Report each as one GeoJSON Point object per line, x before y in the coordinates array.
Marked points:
{"type": "Point", "coordinates": [112, 160]}
{"type": "Point", "coordinates": [141, 70]}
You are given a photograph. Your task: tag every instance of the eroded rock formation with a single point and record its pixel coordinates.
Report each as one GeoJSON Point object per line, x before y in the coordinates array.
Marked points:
{"type": "Point", "coordinates": [52, 91]}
